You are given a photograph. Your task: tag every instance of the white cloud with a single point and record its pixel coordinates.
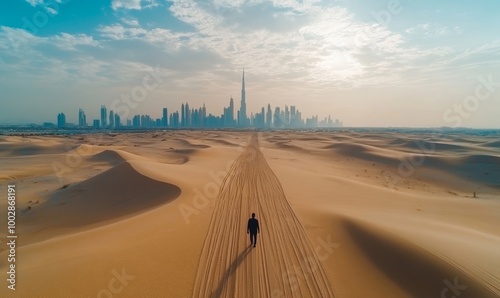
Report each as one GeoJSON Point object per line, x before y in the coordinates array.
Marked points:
{"type": "Point", "coordinates": [35, 2]}
{"type": "Point", "coordinates": [30, 55]}
{"type": "Point", "coordinates": [130, 21]}
{"type": "Point", "coordinates": [228, 3]}
{"type": "Point", "coordinates": [126, 4]}
{"type": "Point", "coordinates": [71, 42]}
{"type": "Point", "coordinates": [303, 41]}
{"type": "Point", "coordinates": [51, 8]}
{"type": "Point", "coordinates": [150, 3]}
{"type": "Point", "coordinates": [431, 30]}
{"type": "Point", "coordinates": [133, 4]}
{"type": "Point", "coordinates": [170, 41]}
{"type": "Point", "coordinates": [491, 49]}
{"type": "Point", "coordinates": [325, 48]}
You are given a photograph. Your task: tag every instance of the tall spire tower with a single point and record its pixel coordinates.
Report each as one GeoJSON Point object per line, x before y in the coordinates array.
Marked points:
{"type": "Point", "coordinates": [243, 110]}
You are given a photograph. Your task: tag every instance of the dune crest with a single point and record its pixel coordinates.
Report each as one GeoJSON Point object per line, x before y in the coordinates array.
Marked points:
{"type": "Point", "coordinates": [116, 193]}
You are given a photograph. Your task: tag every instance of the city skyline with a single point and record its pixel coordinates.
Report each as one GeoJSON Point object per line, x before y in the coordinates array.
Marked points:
{"type": "Point", "coordinates": [188, 117]}
{"type": "Point", "coordinates": [396, 63]}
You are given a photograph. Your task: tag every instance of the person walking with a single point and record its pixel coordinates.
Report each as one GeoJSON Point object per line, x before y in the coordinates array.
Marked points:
{"type": "Point", "coordinates": [253, 229]}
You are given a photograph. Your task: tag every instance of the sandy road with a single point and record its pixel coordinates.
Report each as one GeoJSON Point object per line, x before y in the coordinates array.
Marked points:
{"type": "Point", "coordinates": [283, 264]}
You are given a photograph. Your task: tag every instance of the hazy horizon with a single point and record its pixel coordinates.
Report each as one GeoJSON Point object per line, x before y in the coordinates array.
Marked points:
{"type": "Point", "coordinates": [367, 63]}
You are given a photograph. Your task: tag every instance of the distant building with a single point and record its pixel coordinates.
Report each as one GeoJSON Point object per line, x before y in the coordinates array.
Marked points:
{"type": "Point", "coordinates": [61, 120]}
{"type": "Point", "coordinates": [228, 115]}
{"type": "Point", "coordinates": [286, 120]}
{"type": "Point", "coordinates": [203, 116]}
{"type": "Point", "coordinates": [96, 123]}
{"type": "Point", "coordinates": [259, 119]}
{"type": "Point", "coordinates": [164, 119]}
{"type": "Point", "coordinates": [312, 122]}
{"type": "Point", "coordinates": [277, 118]}
{"type": "Point", "coordinates": [174, 122]}
{"type": "Point", "coordinates": [111, 119]}
{"type": "Point", "coordinates": [104, 116]}
{"type": "Point", "coordinates": [242, 114]}
{"type": "Point", "coordinates": [231, 112]}
{"type": "Point", "coordinates": [136, 121]}
{"type": "Point", "coordinates": [117, 120]}
{"type": "Point", "coordinates": [147, 121]}
{"type": "Point", "coordinates": [82, 119]}
{"type": "Point", "coordinates": [187, 116]}
{"type": "Point", "coordinates": [183, 116]}
{"type": "Point", "coordinates": [269, 116]}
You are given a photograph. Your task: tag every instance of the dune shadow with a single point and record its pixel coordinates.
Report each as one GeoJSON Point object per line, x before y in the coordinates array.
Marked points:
{"type": "Point", "coordinates": [108, 156]}
{"type": "Point", "coordinates": [230, 271]}
{"type": "Point", "coordinates": [111, 195]}
{"type": "Point", "coordinates": [417, 271]}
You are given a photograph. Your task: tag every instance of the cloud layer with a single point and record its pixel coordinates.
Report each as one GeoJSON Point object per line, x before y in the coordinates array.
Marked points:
{"type": "Point", "coordinates": [316, 45]}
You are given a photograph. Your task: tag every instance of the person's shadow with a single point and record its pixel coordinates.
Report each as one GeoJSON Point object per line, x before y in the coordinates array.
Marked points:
{"type": "Point", "coordinates": [230, 271]}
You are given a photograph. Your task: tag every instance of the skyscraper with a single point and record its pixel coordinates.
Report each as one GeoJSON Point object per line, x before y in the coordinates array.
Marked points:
{"type": "Point", "coordinates": [277, 117]}
{"type": "Point", "coordinates": [111, 119]}
{"type": "Point", "coordinates": [286, 120]}
{"type": "Point", "coordinates": [104, 116]}
{"type": "Point", "coordinates": [262, 118]}
{"type": "Point", "coordinates": [175, 120]}
{"type": "Point", "coordinates": [117, 120]}
{"type": "Point", "coordinates": [82, 119]}
{"type": "Point", "coordinates": [242, 117]}
{"type": "Point", "coordinates": [183, 116]}
{"type": "Point", "coordinates": [203, 115]}
{"type": "Point", "coordinates": [187, 115]}
{"type": "Point", "coordinates": [231, 112]}
{"type": "Point", "coordinates": [61, 120]}
{"type": "Point", "coordinates": [164, 119]}
{"type": "Point", "coordinates": [228, 115]}
{"type": "Point", "coordinates": [269, 116]}
{"type": "Point", "coordinates": [293, 116]}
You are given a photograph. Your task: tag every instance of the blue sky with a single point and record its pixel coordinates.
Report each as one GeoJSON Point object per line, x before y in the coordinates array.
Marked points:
{"type": "Point", "coordinates": [368, 63]}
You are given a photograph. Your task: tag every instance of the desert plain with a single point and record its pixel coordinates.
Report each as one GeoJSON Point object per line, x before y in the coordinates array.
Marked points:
{"type": "Point", "coordinates": [342, 214]}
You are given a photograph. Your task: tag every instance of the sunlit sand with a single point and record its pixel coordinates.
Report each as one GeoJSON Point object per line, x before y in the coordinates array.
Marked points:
{"type": "Point", "coordinates": [342, 214]}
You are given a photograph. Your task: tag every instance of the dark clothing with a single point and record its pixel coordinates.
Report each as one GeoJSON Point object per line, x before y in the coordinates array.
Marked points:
{"type": "Point", "coordinates": [253, 238]}
{"type": "Point", "coordinates": [253, 228]}
{"type": "Point", "coordinates": [253, 225]}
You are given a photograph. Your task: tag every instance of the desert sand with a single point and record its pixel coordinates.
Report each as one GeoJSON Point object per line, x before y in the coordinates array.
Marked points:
{"type": "Point", "coordinates": [342, 214]}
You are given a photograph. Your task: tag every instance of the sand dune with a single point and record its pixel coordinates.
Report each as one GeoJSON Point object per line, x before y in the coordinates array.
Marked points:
{"type": "Point", "coordinates": [112, 195]}
{"type": "Point", "coordinates": [222, 142]}
{"type": "Point", "coordinates": [191, 145]}
{"type": "Point", "coordinates": [418, 272]}
{"type": "Point", "coordinates": [23, 147]}
{"type": "Point", "coordinates": [288, 145]}
{"type": "Point", "coordinates": [493, 144]}
{"type": "Point", "coordinates": [116, 156]}
{"type": "Point", "coordinates": [108, 156]}
{"type": "Point", "coordinates": [338, 217]}
{"type": "Point", "coordinates": [425, 160]}
{"type": "Point", "coordinates": [175, 150]}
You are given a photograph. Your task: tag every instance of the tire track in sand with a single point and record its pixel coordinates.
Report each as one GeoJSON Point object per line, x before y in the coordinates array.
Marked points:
{"type": "Point", "coordinates": [284, 263]}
